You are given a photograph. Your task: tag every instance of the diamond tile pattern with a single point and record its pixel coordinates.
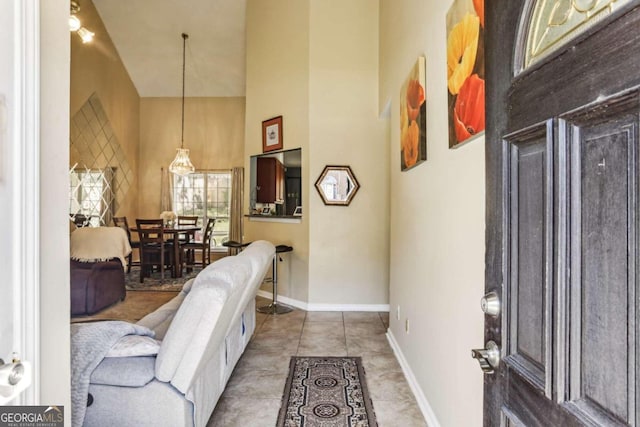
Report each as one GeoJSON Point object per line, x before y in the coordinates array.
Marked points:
{"type": "Point", "coordinates": [101, 164]}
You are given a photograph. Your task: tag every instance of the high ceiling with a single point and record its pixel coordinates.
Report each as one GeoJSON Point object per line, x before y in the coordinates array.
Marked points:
{"type": "Point", "coordinates": [147, 35]}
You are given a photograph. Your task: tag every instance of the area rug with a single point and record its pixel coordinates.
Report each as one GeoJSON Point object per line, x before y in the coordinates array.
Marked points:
{"type": "Point", "coordinates": [153, 283]}
{"type": "Point", "coordinates": [326, 392]}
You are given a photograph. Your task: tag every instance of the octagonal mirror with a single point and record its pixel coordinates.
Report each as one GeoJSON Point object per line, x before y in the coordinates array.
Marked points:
{"type": "Point", "coordinates": [337, 185]}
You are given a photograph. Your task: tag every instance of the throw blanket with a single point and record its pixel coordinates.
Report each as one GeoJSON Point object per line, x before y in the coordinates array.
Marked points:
{"type": "Point", "coordinates": [90, 342]}
{"type": "Point", "coordinates": [92, 244]}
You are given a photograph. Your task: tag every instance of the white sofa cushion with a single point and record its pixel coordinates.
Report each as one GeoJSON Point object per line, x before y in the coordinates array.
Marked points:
{"type": "Point", "coordinates": [228, 269]}
{"type": "Point", "coordinates": [192, 324]}
{"type": "Point", "coordinates": [139, 371]}
{"type": "Point", "coordinates": [160, 320]}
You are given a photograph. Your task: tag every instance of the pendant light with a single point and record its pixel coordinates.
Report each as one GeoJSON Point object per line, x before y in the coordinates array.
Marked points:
{"type": "Point", "coordinates": [76, 26]}
{"type": "Point", "coordinates": [181, 165]}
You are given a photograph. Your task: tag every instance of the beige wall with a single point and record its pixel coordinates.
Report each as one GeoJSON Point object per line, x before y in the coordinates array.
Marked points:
{"type": "Point", "coordinates": [213, 132]}
{"type": "Point", "coordinates": [96, 67]}
{"type": "Point", "coordinates": [348, 246]}
{"type": "Point", "coordinates": [318, 69]}
{"type": "Point", "coordinates": [437, 224]}
{"type": "Point", "coordinates": [278, 84]}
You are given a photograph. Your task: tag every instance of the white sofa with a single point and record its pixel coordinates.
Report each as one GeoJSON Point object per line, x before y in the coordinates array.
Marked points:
{"type": "Point", "coordinates": [203, 332]}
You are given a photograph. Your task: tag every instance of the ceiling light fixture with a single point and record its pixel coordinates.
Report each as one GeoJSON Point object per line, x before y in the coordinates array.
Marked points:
{"type": "Point", "coordinates": [76, 26]}
{"type": "Point", "coordinates": [181, 165]}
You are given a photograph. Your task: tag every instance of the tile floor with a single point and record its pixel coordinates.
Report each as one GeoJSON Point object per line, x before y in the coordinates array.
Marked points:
{"type": "Point", "coordinates": [253, 393]}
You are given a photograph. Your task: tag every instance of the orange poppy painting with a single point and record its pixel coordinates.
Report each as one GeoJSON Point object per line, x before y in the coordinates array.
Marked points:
{"type": "Point", "coordinates": [413, 118]}
{"type": "Point", "coordinates": [465, 70]}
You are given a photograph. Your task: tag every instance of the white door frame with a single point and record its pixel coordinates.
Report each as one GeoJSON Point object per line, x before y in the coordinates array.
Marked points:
{"type": "Point", "coordinates": [25, 157]}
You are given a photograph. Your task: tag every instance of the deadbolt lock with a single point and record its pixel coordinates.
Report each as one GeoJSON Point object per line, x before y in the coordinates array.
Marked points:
{"type": "Point", "coordinates": [490, 304]}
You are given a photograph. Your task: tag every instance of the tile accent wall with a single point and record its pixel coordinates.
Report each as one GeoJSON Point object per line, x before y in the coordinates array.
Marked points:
{"type": "Point", "coordinates": [94, 145]}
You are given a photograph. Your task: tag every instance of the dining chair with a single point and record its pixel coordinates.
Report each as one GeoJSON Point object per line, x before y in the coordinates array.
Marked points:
{"type": "Point", "coordinates": [189, 237]}
{"type": "Point", "coordinates": [187, 220]}
{"type": "Point", "coordinates": [121, 221]}
{"type": "Point", "coordinates": [154, 251]}
{"type": "Point", "coordinates": [203, 245]}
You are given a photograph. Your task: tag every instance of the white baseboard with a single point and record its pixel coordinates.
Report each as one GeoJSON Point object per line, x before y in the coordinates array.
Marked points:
{"type": "Point", "coordinates": [288, 301]}
{"type": "Point", "coordinates": [349, 307]}
{"type": "Point", "coordinates": [325, 307]}
{"type": "Point", "coordinates": [423, 403]}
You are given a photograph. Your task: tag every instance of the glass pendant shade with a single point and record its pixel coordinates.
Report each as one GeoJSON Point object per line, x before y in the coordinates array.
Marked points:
{"type": "Point", "coordinates": [181, 165]}
{"type": "Point", "coordinates": [74, 23]}
{"type": "Point", "coordinates": [85, 35]}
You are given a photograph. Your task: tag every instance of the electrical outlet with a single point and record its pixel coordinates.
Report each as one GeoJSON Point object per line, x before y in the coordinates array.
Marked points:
{"type": "Point", "coordinates": [406, 326]}
{"type": "Point", "coordinates": [398, 313]}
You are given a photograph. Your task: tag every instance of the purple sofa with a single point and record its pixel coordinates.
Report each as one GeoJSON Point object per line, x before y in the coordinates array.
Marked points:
{"type": "Point", "coordinates": [96, 285]}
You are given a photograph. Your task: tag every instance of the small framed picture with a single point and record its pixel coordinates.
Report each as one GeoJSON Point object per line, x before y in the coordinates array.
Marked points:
{"type": "Point", "coordinates": [266, 210]}
{"type": "Point", "coordinates": [298, 211]}
{"type": "Point", "coordinates": [272, 134]}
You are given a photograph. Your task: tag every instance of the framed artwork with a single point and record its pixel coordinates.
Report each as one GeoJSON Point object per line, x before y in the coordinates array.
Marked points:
{"type": "Point", "coordinates": [413, 118]}
{"type": "Point", "coordinates": [272, 134]}
{"type": "Point", "coordinates": [266, 210]}
{"type": "Point", "coordinates": [465, 70]}
{"type": "Point", "coordinates": [298, 211]}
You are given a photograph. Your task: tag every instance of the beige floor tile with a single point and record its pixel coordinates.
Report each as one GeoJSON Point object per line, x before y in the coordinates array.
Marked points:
{"type": "Point", "coordinates": [255, 384]}
{"type": "Point", "coordinates": [217, 417]}
{"type": "Point", "coordinates": [264, 335]}
{"type": "Point", "coordinates": [260, 318]}
{"type": "Point", "coordinates": [293, 325]}
{"type": "Point", "coordinates": [365, 329]}
{"type": "Point", "coordinates": [361, 345]}
{"type": "Point", "coordinates": [285, 344]}
{"type": "Point", "coordinates": [361, 316]}
{"type": "Point", "coordinates": [264, 360]}
{"type": "Point", "coordinates": [322, 345]}
{"type": "Point", "coordinates": [394, 413]}
{"type": "Point", "coordinates": [243, 412]}
{"type": "Point", "coordinates": [388, 386]}
{"type": "Point", "coordinates": [380, 362]}
{"type": "Point", "coordinates": [286, 317]}
{"type": "Point", "coordinates": [322, 351]}
{"type": "Point", "coordinates": [324, 316]}
{"type": "Point", "coordinates": [323, 329]}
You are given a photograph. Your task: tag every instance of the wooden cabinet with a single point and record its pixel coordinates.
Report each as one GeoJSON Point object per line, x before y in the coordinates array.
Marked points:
{"type": "Point", "coordinates": [269, 180]}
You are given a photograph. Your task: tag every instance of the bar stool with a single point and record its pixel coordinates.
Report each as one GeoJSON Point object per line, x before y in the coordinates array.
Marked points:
{"type": "Point", "coordinates": [274, 307]}
{"type": "Point", "coordinates": [232, 245]}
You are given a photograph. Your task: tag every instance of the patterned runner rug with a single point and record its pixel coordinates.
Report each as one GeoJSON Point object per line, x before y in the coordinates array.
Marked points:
{"type": "Point", "coordinates": [326, 392]}
{"type": "Point", "coordinates": [153, 283]}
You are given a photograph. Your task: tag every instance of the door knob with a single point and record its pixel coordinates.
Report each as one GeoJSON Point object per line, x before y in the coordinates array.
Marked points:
{"type": "Point", "coordinates": [488, 357]}
{"type": "Point", "coordinates": [490, 304]}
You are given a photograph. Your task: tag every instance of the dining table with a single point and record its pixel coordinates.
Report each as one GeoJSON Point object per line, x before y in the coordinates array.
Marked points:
{"type": "Point", "coordinates": [175, 231]}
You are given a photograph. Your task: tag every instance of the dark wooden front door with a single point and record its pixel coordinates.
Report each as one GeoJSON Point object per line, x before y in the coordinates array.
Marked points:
{"type": "Point", "coordinates": [562, 203]}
